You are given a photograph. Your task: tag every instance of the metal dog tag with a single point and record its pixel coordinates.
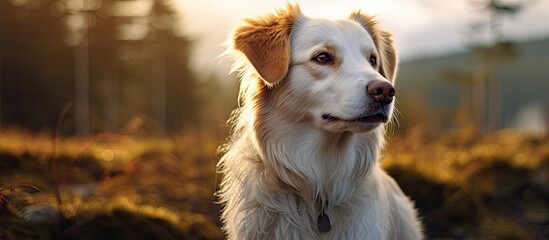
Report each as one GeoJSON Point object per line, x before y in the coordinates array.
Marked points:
{"type": "Point", "coordinates": [324, 223]}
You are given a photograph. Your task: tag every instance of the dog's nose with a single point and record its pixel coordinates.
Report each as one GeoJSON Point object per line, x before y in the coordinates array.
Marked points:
{"type": "Point", "coordinates": [381, 91]}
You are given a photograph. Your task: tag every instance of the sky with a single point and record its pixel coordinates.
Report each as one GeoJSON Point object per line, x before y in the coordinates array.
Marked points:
{"type": "Point", "coordinates": [420, 27]}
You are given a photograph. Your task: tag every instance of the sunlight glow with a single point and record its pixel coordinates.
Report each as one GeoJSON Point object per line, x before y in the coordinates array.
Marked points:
{"type": "Point", "coordinates": [132, 8]}
{"type": "Point", "coordinates": [420, 28]}
{"type": "Point", "coordinates": [210, 21]}
{"type": "Point", "coordinates": [108, 155]}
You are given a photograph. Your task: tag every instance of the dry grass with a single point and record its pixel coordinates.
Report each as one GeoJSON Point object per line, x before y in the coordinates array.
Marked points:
{"type": "Point", "coordinates": [465, 186]}
{"type": "Point", "coordinates": [111, 180]}
{"type": "Point", "coordinates": [490, 187]}
{"type": "Point", "coordinates": [450, 157]}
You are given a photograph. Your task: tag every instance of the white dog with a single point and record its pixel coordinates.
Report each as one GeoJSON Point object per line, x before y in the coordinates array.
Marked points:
{"type": "Point", "coordinates": [302, 158]}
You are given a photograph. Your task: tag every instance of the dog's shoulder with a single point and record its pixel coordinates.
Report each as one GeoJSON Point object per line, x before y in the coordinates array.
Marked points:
{"type": "Point", "coordinates": [406, 221]}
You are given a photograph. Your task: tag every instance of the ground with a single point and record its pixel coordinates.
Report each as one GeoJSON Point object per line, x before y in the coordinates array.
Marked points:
{"type": "Point", "coordinates": [123, 186]}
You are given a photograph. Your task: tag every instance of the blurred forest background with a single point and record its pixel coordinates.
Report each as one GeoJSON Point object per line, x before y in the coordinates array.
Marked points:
{"type": "Point", "coordinates": [108, 132]}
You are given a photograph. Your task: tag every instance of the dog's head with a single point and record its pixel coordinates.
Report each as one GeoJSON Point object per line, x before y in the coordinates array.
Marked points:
{"type": "Point", "coordinates": [337, 74]}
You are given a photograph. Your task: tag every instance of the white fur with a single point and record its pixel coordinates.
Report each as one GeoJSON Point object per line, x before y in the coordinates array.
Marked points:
{"type": "Point", "coordinates": [283, 162]}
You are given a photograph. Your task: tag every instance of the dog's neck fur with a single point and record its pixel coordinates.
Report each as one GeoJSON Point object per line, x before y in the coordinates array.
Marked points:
{"type": "Point", "coordinates": [299, 163]}
{"type": "Point", "coordinates": [318, 166]}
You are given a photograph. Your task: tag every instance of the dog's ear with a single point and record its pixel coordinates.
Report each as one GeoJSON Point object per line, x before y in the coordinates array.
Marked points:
{"type": "Point", "coordinates": [384, 43]}
{"type": "Point", "coordinates": [265, 42]}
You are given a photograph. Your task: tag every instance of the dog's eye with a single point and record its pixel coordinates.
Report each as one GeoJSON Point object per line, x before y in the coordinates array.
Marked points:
{"type": "Point", "coordinates": [323, 58]}
{"type": "Point", "coordinates": [373, 60]}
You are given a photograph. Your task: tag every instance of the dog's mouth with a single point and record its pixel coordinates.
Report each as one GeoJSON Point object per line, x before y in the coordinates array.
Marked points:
{"type": "Point", "coordinates": [371, 118]}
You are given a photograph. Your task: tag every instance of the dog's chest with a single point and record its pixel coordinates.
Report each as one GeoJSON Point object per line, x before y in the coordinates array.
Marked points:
{"type": "Point", "coordinates": [353, 219]}
{"type": "Point", "coordinates": [356, 221]}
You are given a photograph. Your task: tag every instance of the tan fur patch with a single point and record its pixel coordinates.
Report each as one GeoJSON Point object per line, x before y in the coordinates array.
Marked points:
{"type": "Point", "coordinates": [265, 41]}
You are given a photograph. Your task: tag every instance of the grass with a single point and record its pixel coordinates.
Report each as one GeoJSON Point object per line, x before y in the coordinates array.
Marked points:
{"type": "Point", "coordinates": [121, 186]}
{"type": "Point", "coordinates": [475, 187]}
{"type": "Point", "coordinates": [113, 186]}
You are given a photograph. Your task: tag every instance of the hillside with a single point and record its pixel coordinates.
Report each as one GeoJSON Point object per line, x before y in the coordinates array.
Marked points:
{"type": "Point", "coordinates": [524, 82]}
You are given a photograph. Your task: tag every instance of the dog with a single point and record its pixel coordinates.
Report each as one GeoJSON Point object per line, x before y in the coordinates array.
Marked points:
{"type": "Point", "coordinates": [301, 161]}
